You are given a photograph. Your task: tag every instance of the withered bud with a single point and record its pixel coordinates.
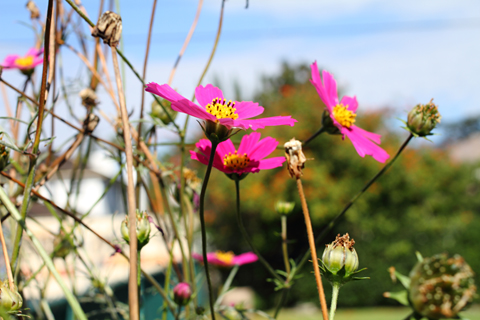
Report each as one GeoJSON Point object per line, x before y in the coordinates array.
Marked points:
{"type": "Point", "coordinates": [89, 97]}
{"type": "Point", "coordinates": [34, 12]}
{"type": "Point", "coordinates": [295, 158]}
{"type": "Point", "coordinates": [109, 28]}
{"type": "Point", "coordinates": [90, 123]}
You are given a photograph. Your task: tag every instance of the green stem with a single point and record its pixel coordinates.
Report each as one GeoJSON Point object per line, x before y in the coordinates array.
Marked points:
{"type": "Point", "coordinates": [333, 305]}
{"type": "Point", "coordinates": [76, 308]}
{"type": "Point", "coordinates": [202, 224]}
{"type": "Point", "coordinates": [247, 238]}
{"type": "Point", "coordinates": [284, 244]}
{"type": "Point", "coordinates": [332, 223]}
{"type": "Point", "coordinates": [178, 312]}
{"type": "Point", "coordinates": [316, 134]}
{"type": "Point", "coordinates": [283, 299]}
{"type": "Point", "coordinates": [227, 284]}
{"type": "Point", "coordinates": [167, 285]}
{"type": "Point", "coordinates": [139, 269]}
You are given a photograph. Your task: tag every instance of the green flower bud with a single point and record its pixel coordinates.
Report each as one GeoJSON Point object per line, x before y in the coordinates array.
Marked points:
{"type": "Point", "coordinates": [328, 124]}
{"type": "Point", "coordinates": [158, 112]}
{"type": "Point", "coordinates": [423, 119]}
{"type": "Point", "coordinates": [143, 229]}
{"type": "Point", "coordinates": [283, 207]}
{"type": "Point", "coordinates": [340, 261]}
{"type": "Point", "coordinates": [10, 300]}
{"type": "Point", "coordinates": [216, 132]}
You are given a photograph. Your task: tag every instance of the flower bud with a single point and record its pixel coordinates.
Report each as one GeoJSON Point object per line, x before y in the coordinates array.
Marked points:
{"type": "Point", "coordinates": [283, 207]}
{"type": "Point", "coordinates": [4, 156]}
{"type": "Point", "coordinates": [161, 113]}
{"type": "Point", "coordinates": [10, 300]}
{"type": "Point", "coordinates": [182, 293]}
{"type": "Point", "coordinates": [295, 158]}
{"type": "Point", "coordinates": [340, 260]}
{"type": "Point", "coordinates": [143, 229]}
{"type": "Point", "coordinates": [62, 245]}
{"type": "Point", "coordinates": [423, 119]}
{"type": "Point", "coordinates": [109, 28]}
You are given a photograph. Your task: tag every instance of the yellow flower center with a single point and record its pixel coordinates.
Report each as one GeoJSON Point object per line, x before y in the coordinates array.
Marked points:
{"type": "Point", "coordinates": [222, 110]}
{"type": "Point", "coordinates": [226, 257]}
{"type": "Point", "coordinates": [343, 116]}
{"type": "Point", "coordinates": [235, 161]}
{"type": "Point", "coordinates": [25, 61]}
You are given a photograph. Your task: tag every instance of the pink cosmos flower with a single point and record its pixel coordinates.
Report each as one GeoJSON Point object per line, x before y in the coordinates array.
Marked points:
{"type": "Point", "coordinates": [248, 158]}
{"type": "Point", "coordinates": [215, 108]}
{"type": "Point", "coordinates": [227, 259]}
{"type": "Point", "coordinates": [28, 62]}
{"type": "Point", "coordinates": [343, 116]}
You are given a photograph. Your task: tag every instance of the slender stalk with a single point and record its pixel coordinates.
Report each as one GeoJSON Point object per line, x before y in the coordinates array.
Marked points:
{"type": "Point", "coordinates": [41, 107]}
{"type": "Point", "coordinates": [11, 283]}
{"type": "Point", "coordinates": [227, 284]}
{"type": "Point", "coordinates": [284, 244]}
{"type": "Point", "coordinates": [283, 299]}
{"type": "Point", "coordinates": [187, 40]}
{"type": "Point", "coordinates": [77, 310]}
{"type": "Point", "coordinates": [247, 238]}
{"type": "Point", "coordinates": [179, 309]}
{"type": "Point", "coordinates": [313, 250]}
{"type": "Point", "coordinates": [352, 201]}
{"type": "Point", "coordinates": [139, 269]}
{"type": "Point", "coordinates": [333, 305]}
{"type": "Point", "coordinates": [202, 224]}
{"type": "Point", "coordinates": [132, 280]}
{"type": "Point", "coordinates": [316, 134]}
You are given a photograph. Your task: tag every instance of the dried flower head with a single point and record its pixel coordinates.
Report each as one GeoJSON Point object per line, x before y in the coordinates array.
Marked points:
{"type": "Point", "coordinates": [109, 28]}
{"type": "Point", "coordinates": [89, 97]}
{"type": "Point", "coordinates": [295, 158]}
{"type": "Point", "coordinates": [34, 12]}
{"type": "Point", "coordinates": [90, 123]}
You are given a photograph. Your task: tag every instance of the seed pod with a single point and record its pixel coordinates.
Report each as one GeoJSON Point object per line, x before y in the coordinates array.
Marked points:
{"type": "Point", "coordinates": [109, 28]}
{"type": "Point", "coordinates": [34, 12]}
{"type": "Point", "coordinates": [4, 156]}
{"type": "Point", "coordinates": [159, 112]}
{"type": "Point", "coordinates": [89, 97]}
{"type": "Point", "coordinates": [90, 123]}
{"type": "Point", "coordinates": [143, 229]}
{"type": "Point", "coordinates": [440, 287]}
{"type": "Point", "coordinates": [295, 158]}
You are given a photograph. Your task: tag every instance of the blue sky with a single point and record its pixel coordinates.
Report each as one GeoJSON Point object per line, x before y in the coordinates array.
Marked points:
{"type": "Point", "coordinates": [388, 53]}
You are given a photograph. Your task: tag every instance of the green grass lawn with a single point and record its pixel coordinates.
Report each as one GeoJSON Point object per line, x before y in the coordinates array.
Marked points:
{"type": "Point", "coordinates": [365, 314]}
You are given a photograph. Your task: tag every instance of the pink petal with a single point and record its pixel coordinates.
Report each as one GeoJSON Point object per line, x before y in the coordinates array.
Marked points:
{"type": "Point", "coordinates": [350, 102]}
{"type": "Point", "coordinates": [245, 258]}
{"type": "Point", "coordinates": [9, 61]}
{"type": "Point", "coordinates": [179, 103]}
{"type": "Point", "coordinates": [199, 157]}
{"type": "Point", "coordinates": [271, 163]}
{"type": "Point", "coordinates": [330, 86]}
{"type": "Point", "coordinates": [365, 146]}
{"type": "Point", "coordinates": [263, 148]}
{"type": "Point", "coordinates": [206, 94]}
{"type": "Point", "coordinates": [34, 52]}
{"type": "Point", "coordinates": [248, 143]}
{"type": "Point", "coordinates": [325, 96]}
{"type": "Point", "coordinates": [225, 147]}
{"type": "Point", "coordinates": [262, 123]}
{"type": "Point", "coordinates": [227, 122]}
{"type": "Point", "coordinates": [205, 148]}
{"type": "Point", "coordinates": [248, 109]}
{"type": "Point", "coordinates": [369, 135]}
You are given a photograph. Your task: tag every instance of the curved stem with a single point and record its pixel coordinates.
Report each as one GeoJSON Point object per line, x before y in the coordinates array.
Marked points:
{"type": "Point", "coordinates": [202, 223]}
{"type": "Point", "coordinates": [247, 238]}
{"type": "Point", "coordinates": [333, 305]}
{"type": "Point", "coordinates": [355, 198]}
{"type": "Point", "coordinates": [285, 245]}
{"type": "Point", "coordinates": [316, 134]}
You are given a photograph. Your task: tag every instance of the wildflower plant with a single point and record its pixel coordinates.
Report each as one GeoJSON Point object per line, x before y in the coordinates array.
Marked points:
{"type": "Point", "coordinates": [162, 188]}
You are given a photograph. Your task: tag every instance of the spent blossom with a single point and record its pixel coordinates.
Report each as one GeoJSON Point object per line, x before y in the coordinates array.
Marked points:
{"type": "Point", "coordinates": [343, 113]}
